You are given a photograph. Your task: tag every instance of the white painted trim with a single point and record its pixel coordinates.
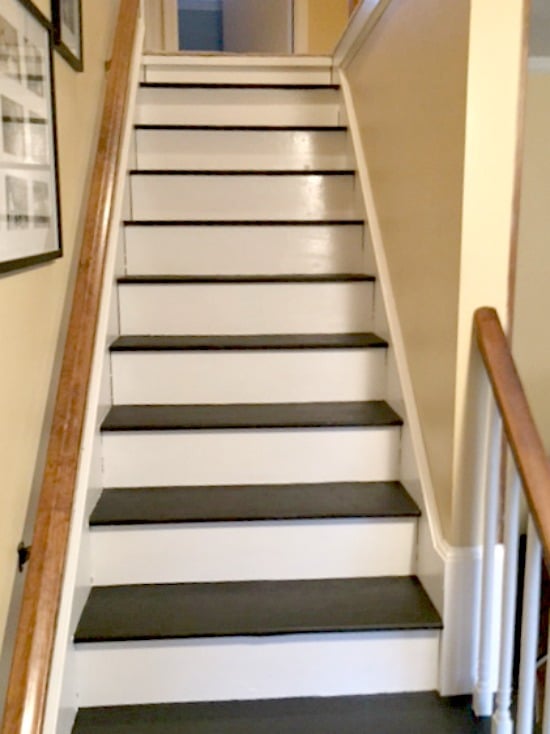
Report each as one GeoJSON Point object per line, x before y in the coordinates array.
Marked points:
{"type": "Point", "coordinates": [229, 59]}
{"type": "Point", "coordinates": [460, 638]}
{"type": "Point", "coordinates": [363, 20]}
{"type": "Point", "coordinates": [62, 702]}
{"type": "Point", "coordinates": [539, 64]}
{"type": "Point", "coordinates": [170, 25]}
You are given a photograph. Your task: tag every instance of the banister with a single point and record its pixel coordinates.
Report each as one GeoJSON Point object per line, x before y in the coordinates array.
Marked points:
{"type": "Point", "coordinates": [520, 429]}
{"type": "Point", "coordinates": [27, 688]}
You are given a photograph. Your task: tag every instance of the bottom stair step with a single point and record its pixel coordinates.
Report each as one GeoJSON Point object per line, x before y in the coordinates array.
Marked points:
{"type": "Point", "coordinates": [257, 608]}
{"type": "Point", "coordinates": [413, 713]}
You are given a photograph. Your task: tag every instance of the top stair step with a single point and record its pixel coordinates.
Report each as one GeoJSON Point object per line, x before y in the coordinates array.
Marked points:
{"type": "Point", "coordinates": [249, 68]}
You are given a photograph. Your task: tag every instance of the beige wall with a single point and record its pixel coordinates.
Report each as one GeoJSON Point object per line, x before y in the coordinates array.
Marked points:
{"type": "Point", "coordinates": [531, 338]}
{"type": "Point", "coordinates": [409, 85]}
{"type": "Point", "coordinates": [32, 301]}
{"type": "Point", "coordinates": [318, 24]}
{"type": "Point", "coordinates": [496, 55]}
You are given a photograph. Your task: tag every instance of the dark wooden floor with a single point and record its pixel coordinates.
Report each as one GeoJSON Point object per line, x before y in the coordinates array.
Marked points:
{"type": "Point", "coordinates": [416, 713]}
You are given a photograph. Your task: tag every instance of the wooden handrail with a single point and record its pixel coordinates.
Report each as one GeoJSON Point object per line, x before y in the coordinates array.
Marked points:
{"type": "Point", "coordinates": [522, 434]}
{"type": "Point", "coordinates": [28, 683]}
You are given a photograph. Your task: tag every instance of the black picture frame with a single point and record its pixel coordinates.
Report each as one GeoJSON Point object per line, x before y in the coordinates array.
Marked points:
{"type": "Point", "coordinates": [30, 211]}
{"type": "Point", "coordinates": [67, 28]}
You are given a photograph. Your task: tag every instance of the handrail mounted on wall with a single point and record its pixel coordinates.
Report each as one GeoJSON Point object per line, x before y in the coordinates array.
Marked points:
{"type": "Point", "coordinates": [28, 682]}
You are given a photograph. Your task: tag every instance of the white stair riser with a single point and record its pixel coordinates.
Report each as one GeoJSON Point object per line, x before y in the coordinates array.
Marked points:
{"type": "Point", "coordinates": [166, 458]}
{"type": "Point", "coordinates": [248, 377]}
{"type": "Point", "coordinates": [233, 250]}
{"type": "Point", "coordinates": [246, 551]}
{"type": "Point", "coordinates": [252, 75]}
{"type": "Point", "coordinates": [255, 668]}
{"type": "Point", "coordinates": [239, 150]}
{"type": "Point", "coordinates": [196, 197]}
{"type": "Point", "coordinates": [282, 308]}
{"type": "Point", "coordinates": [319, 107]}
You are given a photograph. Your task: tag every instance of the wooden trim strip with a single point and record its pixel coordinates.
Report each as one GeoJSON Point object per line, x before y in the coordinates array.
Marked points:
{"type": "Point", "coordinates": [522, 434]}
{"type": "Point", "coordinates": [364, 18]}
{"type": "Point", "coordinates": [28, 683]}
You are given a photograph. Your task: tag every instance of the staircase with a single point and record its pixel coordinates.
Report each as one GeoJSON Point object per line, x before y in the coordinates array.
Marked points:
{"type": "Point", "coordinates": [253, 547]}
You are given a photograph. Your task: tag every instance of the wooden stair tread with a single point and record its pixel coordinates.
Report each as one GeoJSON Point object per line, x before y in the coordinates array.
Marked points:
{"type": "Point", "coordinates": [372, 413]}
{"type": "Point", "coordinates": [230, 279]}
{"type": "Point", "coordinates": [255, 608]}
{"type": "Point", "coordinates": [247, 342]}
{"type": "Point", "coordinates": [383, 714]}
{"type": "Point", "coordinates": [149, 505]}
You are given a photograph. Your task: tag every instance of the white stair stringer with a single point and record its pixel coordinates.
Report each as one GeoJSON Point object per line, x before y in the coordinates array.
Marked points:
{"type": "Point", "coordinates": [245, 551]}
{"type": "Point", "coordinates": [251, 308]}
{"type": "Point", "coordinates": [305, 196]}
{"type": "Point", "coordinates": [171, 458]}
{"type": "Point", "coordinates": [286, 666]}
{"type": "Point", "coordinates": [248, 149]}
{"type": "Point", "coordinates": [244, 249]}
{"type": "Point", "coordinates": [249, 69]}
{"type": "Point", "coordinates": [262, 376]}
{"type": "Point", "coordinates": [158, 105]}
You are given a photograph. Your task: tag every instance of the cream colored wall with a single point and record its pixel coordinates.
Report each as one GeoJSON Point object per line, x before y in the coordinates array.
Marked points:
{"type": "Point", "coordinates": [531, 335]}
{"type": "Point", "coordinates": [492, 126]}
{"type": "Point", "coordinates": [409, 85]}
{"type": "Point", "coordinates": [33, 301]}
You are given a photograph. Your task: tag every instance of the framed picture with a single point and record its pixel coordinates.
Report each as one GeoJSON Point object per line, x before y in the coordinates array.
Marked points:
{"type": "Point", "coordinates": [30, 230]}
{"type": "Point", "coordinates": [67, 24]}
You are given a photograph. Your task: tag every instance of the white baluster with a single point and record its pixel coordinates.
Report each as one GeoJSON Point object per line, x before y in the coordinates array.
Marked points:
{"type": "Point", "coordinates": [529, 633]}
{"type": "Point", "coordinates": [483, 694]}
{"type": "Point", "coordinates": [502, 719]}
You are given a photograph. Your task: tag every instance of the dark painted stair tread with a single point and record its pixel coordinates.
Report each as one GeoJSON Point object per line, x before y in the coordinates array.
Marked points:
{"type": "Point", "coordinates": [241, 172]}
{"type": "Point", "coordinates": [373, 413]}
{"type": "Point", "coordinates": [139, 506]}
{"type": "Point", "coordinates": [286, 278]}
{"type": "Point", "coordinates": [245, 128]}
{"type": "Point", "coordinates": [255, 608]}
{"type": "Point", "coordinates": [401, 713]}
{"type": "Point", "coordinates": [247, 342]}
{"type": "Point", "coordinates": [243, 222]}
{"type": "Point", "coordinates": [229, 85]}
